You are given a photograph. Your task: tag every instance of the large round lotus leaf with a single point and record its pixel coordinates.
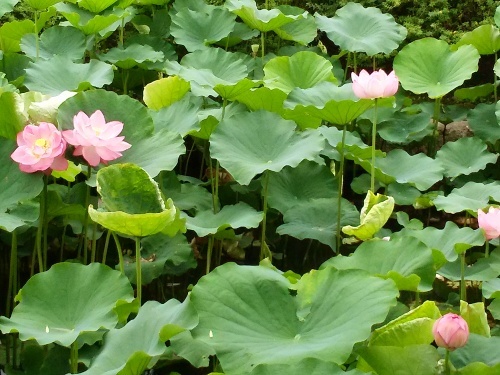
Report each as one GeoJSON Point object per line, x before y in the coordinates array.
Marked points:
{"type": "Point", "coordinates": [240, 33]}
{"type": "Point", "coordinates": [69, 299]}
{"type": "Point", "coordinates": [404, 127]}
{"type": "Point", "coordinates": [484, 121]}
{"type": "Point", "coordinates": [478, 349]}
{"type": "Point", "coordinates": [484, 269]}
{"type": "Point", "coordinates": [208, 68]}
{"type": "Point", "coordinates": [428, 66]}
{"type": "Point", "coordinates": [197, 30]}
{"type": "Point", "coordinates": [302, 30]}
{"type": "Point", "coordinates": [165, 91]}
{"type": "Point", "coordinates": [240, 215]}
{"type": "Point", "coordinates": [56, 40]}
{"type": "Point", "coordinates": [337, 105]}
{"type": "Point", "coordinates": [456, 162]}
{"type": "Point", "coordinates": [261, 19]}
{"type": "Point", "coordinates": [250, 317]}
{"type": "Point", "coordinates": [96, 6]}
{"type": "Point", "coordinates": [11, 34]}
{"type": "Point", "coordinates": [132, 203]}
{"type": "Point", "coordinates": [180, 117]}
{"type": "Point", "coordinates": [405, 260]}
{"type": "Point", "coordinates": [358, 29]}
{"type": "Point", "coordinates": [317, 219]}
{"type": "Point", "coordinates": [304, 70]}
{"type": "Point", "coordinates": [60, 74]}
{"type": "Point", "coordinates": [263, 98]}
{"type": "Point", "coordinates": [138, 345]}
{"type": "Point", "coordinates": [472, 196]}
{"type": "Point", "coordinates": [258, 141]}
{"type": "Point", "coordinates": [486, 39]}
{"type": "Point", "coordinates": [131, 56]}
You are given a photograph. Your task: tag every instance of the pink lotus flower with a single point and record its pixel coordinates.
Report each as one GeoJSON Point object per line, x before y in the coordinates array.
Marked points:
{"type": "Point", "coordinates": [95, 139]}
{"type": "Point", "coordinates": [450, 331]}
{"type": "Point", "coordinates": [375, 85]}
{"type": "Point", "coordinates": [489, 222]}
{"type": "Point", "coordinates": [40, 148]}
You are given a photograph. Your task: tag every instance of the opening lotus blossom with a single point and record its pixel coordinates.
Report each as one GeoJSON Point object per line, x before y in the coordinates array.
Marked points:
{"type": "Point", "coordinates": [489, 222]}
{"type": "Point", "coordinates": [40, 148]}
{"type": "Point", "coordinates": [95, 139]}
{"type": "Point", "coordinates": [379, 84]}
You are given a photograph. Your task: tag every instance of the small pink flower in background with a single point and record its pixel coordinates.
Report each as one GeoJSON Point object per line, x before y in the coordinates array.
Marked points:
{"type": "Point", "coordinates": [40, 148]}
{"type": "Point", "coordinates": [375, 85]}
{"type": "Point", "coordinates": [95, 139]}
{"type": "Point", "coordinates": [450, 331]}
{"type": "Point", "coordinates": [489, 222]}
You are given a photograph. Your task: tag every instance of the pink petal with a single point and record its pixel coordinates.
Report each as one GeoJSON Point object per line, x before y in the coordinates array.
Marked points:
{"type": "Point", "coordinates": [90, 155]}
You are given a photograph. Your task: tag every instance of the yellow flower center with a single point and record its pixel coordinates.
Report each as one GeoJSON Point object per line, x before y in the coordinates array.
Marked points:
{"type": "Point", "coordinates": [41, 142]}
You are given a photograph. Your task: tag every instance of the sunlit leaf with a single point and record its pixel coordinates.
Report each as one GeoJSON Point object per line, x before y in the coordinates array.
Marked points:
{"type": "Point", "coordinates": [486, 39]}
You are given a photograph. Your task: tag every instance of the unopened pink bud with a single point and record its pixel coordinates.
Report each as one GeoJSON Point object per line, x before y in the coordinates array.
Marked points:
{"type": "Point", "coordinates": [450, 331]}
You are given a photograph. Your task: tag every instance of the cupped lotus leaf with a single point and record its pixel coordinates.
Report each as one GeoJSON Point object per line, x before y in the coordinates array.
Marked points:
{"type": "Point", "coordinates": [486, 39]}
{"type": "Point", "coordinates": [240, 215]}
{"type": "Point", "coordinates": [207, 68]}
{"type": "Point", "coordinates": [261, 19]}
{"type": "Point", "coordinates": [95, 6]}
{"type": "Point", "coordinates": [60, 73]}
{"type": "Point", "coordinates": [337, 105]}
{"type": "Point", "coordinates": [450, 241]}
{"type": "Point", "coordinates": [475, 92]}
{"type": "Point", "coordinates": [355, 28]}
{"type": "Point", "coordinates": [158, 44]}
{"type": "Point", "coordinates": [233, 91]}
{"type": "Point", "coordinates": [19, 215]}
{"type": "Point", "coordinates": [456, 162]}
{"type": "Point", "coordinates": [329, 313]}
{"type": "Point", "coordinates": [404, 128]}
{"type": "Point", "coordinates": [138, 345]}
{"type": "Point", "coordinates": [387, 360]}
{"type": "Point", "coordinates": [484, 269]}
{"type": "Point", "coordinates": [137, 123]}
{"type": "Point", "coordinates": [259, 141]}
{"type": "Point", "coordinates": [132, 203]}
{"type": "Point", "coordinates": [477, 349]}
{"type": "Point", "coordinates": [302, 30]}
{"type": "Point", "coordinates": [476, 318]}
{"type": "Point", "coordinates": [56, 40]}
{"type": "Point", "coordinates": [429, 66]}
{"type": "Point", "coordinates": [131, 56]}
{"type": "Point", "coordinates": [165, 91]}
{"type": "Point", "coordinates": [317, 219]}
{"type": "Point", "coordinates": [293, 186]}
{"type": "Point", "coordinates": [375, 212]}
{"type": "Point", "coordinates": [263, 98]}
{"type": "Point", "coordinates": [59, 305]}
{"type": "Point", "coordinates": [406, 260]}
{"type": "Point", "coordinates": [197, 30]}
{"type": "Point", "coordinates": [41, 4]}
{"type": "Point", "coordinates": [11, 34]}
{"type": "Point", "coordinates": [7, 6]}
{"type": "Point", "coordinates": [472, 196]}
{"type": "Point", "coordinates": [304, 70]}
{"type": "Point", "coordinates": [484, 121]}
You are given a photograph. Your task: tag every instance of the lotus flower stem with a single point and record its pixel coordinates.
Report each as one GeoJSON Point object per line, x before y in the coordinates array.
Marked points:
{"type": "Point", "coordinates": [447, 362]}
{"type": "Point", "coordinates": [138, 269]}
{"type": "Point", "coordinates": [12, 288]}
{"type": "Point", "coordinates": [94, 240]}
{"type": "Point", "coordinates": [120, 252]}
{"type": "Point", "coordinates": [86, 217]}
{"type": "Point", "coordinates": [263, 44]}
{"type": "Point", "coordinates": [37, 41]}
{"type": "Point", "coordinates": [463, 291]}
{"type": "Point", "coordinates": [106, 244]}
{"type": "Point", "coordinates": [41, 221]}
{"type": "Point", "coordinates": [210, 249]}
{"type": "Point", "coordinates": [495, 81]}
{"type": "Point", "coordinates": [435, 121]}
{"type": "Point", "coordinates": [341, 188]}
{"type": "Point", "coordinates": [264, 250]}
{"type": "Point", "coordinates": [74, 358]}
{"type": "Point", "coordinates": [374, 142]}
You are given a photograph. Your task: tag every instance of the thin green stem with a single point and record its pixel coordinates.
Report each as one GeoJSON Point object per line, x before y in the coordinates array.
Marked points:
{"type": "Point", "coordinates": [37, 40]}
{"type": "Point", "coordinates": [94, 243]}
{"type": "Point", "coordinates": [264, 250]}
{"type": "Point", "coordinates": [45, 222]}
{"type": "Point", "coordinates": [341, 188]}
{"type": "Point", "coordinates": [106, 245]}
{"type": "Point", "coordinates": [12, 288]}
{"type": "Point", "coordinates": [122, 32]}
{"type": "Point", "coordinates": [495, 82]}
{"type": "Point", "coordinates": [74, 358]}
{"type": "Point", "coordinates": [435, 134]}
{"type": "Point", "coordinates": [138, 269]}
{"type": "Point", "coordinates": [348, 60]}
{"type": "Point", "coordinates": [263, 44]}
{"type": "Point", "coordinates": [86, 216]}
{"type": "Point", "coordinates": [41, 221]}
{"type": "Point", "coordinates": [63, 241]}
{"type": "Point", "coordinates": [209, 253]}
{"type": "Point", "coordinates": [463, 290]}
{"type": "Point", "coordinates": [120, 252]}
{"type": "Point", "coordinates": [374, 143]}
{"type": "Point", "coordinates": [447, 362]}
{"type": "Point", "coordinates": [487, 249]}
{"type": "Point", "coordinates": [125, 76]}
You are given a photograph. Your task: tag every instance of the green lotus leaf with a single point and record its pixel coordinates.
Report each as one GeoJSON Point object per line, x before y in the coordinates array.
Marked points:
{"type": "Point", "coordinates": [11, 34]}
{"type": "Point", "coordinates": [261, 19]}
{"type": "Point", "coordinates": [478, 349]}
{"type": "Point", "coordinates": [68, 300]}
{"type": "Point", "coordinates": [186, 196]}
{"type": "Point", "coordinates": [304, 70]}
{"type": "Point", "coordinates": [88, 22]}
{"type": "Point", "coordinates": [138, 125]}
{"type": "Point", "coordinates": [293, 186]}
{"type": "Point", "coordinates": [234, 91]}
{"type": "Point", "coordinates": [240, 215]}
{"type": "Point", "coordinates": [496, 68]}
{"type": "Point", "coordinates": [95, 6]}
{"type": "Point", "coordinates": [120, 185]}
{"type": "Point", "coordinates": [308, 366]}
{"type": "Point", "coordinates": [375, 212]}
{"type": "Point", "coordinates": [476, 318]}
{"type": "Point", "coordinates": [450, 241]}
{"type": "Point", "coordinates": [484, 122]}
{"type": "Point", "coordinates": [337, 105]}
{"type": "Point", "coordinates": [484, 269]}
{"type": "Point", "coordinates": [263, 98]}
{"type": "Point", "coordinates": [197, 29]}
{"type": "Point", "coordinates": [249, 145]}
{"type": "Point", "coordinates": [138, 345]}
{"type": "Point", "coordinates": [456, 162]}
{"type": "Point", "coordinates": [179, 117]}
{"type": "Point", "coordinates": [394, 259]}
{"type": "Point", "coordinates": [497, 16]}
{"type": "Point", "coordinates": [355, 28]}
{"type": "Point", "coordinates": [317, 219]}
{"type": "Point", "coordinates": [40, 4]}
{"type": "Point", "coordinates": [151, 2]}
{"type": "Point", "coordinates": [475, 92]}
{"type": "Point", "coordinates": [56, 40]}
{"type": "Point", "coordinates": [164, 92]}
{"type": "Point", "coordinates": [207, 68]}
{"type": "Point", "coordinates": [286, 328]}
{"type": "Point", "coordinates": [14, 65]}
{"type": "Point", "coordinates": [12, 120]}
{"type": "Point", "coordinates": [302, 30]}
{"type": "Point", "coordinates": [415, 359]}
{"type": "Point", "coordinates": [428, 66]}
{"type": "Point", "coordinates": [486, 39]}
{"type": "Point", "coordinates": [60, 73]}
{"type": "Point", "coordinates": [334, 136]}
{"type": "Point", "coordinates": [131, 56]}
{"type": "Point", "coordinates": [471, 196]}
{"type": "Point", "coordinates": [240, 33]}
{"type": "Point", "coordinates": [404, 128]}
{"type": "Point", "coordinates": [7, 5]}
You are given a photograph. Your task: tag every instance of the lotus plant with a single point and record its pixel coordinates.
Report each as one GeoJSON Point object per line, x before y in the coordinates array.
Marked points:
{"type": "Point", "coordinates": [451, 332]}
